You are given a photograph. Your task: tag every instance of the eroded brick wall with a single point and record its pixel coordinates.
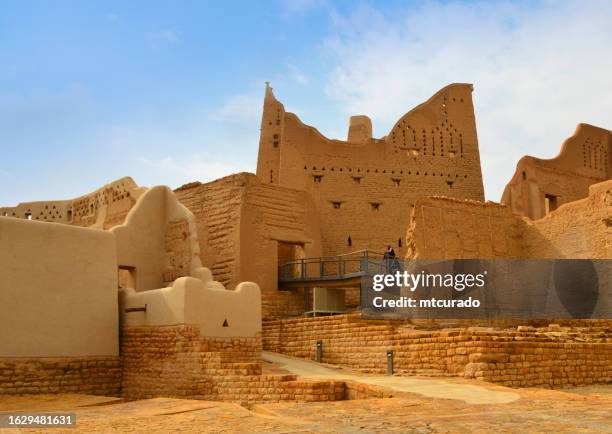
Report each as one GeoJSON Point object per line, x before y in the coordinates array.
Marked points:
{"type": "Point", "coordinates": [217, 210]}
{"type": "Point", "coordinates": [581, 229]}
{"type": "Point", "coordinates": [441, 227]}
{"type": "Point", "coordinates": [87, 375]}
{"type": "Point", "coordinates": [567, 353]}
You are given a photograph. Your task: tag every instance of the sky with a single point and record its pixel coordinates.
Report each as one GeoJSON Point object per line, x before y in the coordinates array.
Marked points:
{"type": "Point", "coordinates": [171, 92]}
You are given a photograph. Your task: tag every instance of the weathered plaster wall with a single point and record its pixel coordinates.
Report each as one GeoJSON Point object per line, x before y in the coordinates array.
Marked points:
{"type": "Point", "coordinates": [58, 290]}
{"type": "Point", "coordinates": [363, 188]}
{"type": "Point", "coordinates": [158, 240]}
{"type": "Point", "coordinates": [198, 301]}
{"type": "Point", "coordinates": [584, 159]}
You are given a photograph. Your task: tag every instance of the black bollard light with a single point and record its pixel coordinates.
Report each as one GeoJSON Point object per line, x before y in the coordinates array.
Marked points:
{"type": "Point", "coordinates": [390, 362]}
{"type": "Point", "coordinates": [319, 355]}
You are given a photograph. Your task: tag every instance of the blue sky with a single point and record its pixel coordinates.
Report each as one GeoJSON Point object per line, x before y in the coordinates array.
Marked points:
{"type": "Point", "coordinates": [171, 92]}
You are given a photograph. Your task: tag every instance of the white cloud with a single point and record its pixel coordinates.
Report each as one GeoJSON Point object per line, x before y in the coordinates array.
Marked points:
{"type": "Point", "coordinates": [242, 109]}
{"type": "Point", "coordinates": [538, 70]}
{"type": "Point", "coordinates": [297, 75]}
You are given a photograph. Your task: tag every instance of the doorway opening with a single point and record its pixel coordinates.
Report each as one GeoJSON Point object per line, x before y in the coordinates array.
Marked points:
{"type": "Point", "coordinates": [550, 203]}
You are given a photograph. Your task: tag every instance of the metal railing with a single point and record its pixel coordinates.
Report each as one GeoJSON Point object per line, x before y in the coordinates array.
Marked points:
{"type": "Point", "coordinates": [327, 267]}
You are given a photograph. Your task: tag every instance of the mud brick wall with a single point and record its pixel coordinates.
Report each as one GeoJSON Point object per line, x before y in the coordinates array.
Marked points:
{"type": "Point", "coordinates": [365, 191]}
{"type": "Point", "coordinates": [247, 228]}
{"type": "Point", "coordinates": [442, 227]}
{"type": "Point", "coordinates": [550, 355]}
{"type": "Point", "coordinates": [176, 361]}
{"type": "Point", "coordinates": [88, 375]}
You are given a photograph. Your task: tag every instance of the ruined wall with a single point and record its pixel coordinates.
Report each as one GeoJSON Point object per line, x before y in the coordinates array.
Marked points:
{"type": "Point", "coordinates": [104, 208]}
{"type": "Point", "coordinates": [540, 186]}
{"type": "Point", "coordinates": [241, 224]}
{"type": "Point", "coordinates": [363, 188]}
{"type": "Point", "coordinates": [443, 228]}
{"type": "Point", "coordinates": [580, 229]}
{"type": "Point", "coordinates": [574, 352]}
{"type": "Point", "coordinates": [178, 362]}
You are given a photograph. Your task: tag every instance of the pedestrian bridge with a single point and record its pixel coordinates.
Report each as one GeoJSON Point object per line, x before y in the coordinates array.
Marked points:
{"type": "Point", "coordinates": [341, 271]}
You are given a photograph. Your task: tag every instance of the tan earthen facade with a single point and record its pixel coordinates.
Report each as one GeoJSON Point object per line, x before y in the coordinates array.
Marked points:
{"type": "Point", "coordinates": [540, 186]}
{"type": "Point", "coordinates": [364, 188]}
{"type": "Point", "coordinates": [247, 228]}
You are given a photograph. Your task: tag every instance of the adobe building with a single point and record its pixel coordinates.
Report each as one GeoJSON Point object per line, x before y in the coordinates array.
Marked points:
{"type": "Point", "coordinates": [364, 188]}
{"type": "Point", "coordinates": [540, 186]}
{"type": "Point", "coordinates": [314, 196]}
{"type": "Point", "coordinates": [141, 292]}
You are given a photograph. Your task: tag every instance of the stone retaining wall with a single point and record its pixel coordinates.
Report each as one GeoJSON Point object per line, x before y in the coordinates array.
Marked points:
{"type": "Point", "coordinates": [176, 361]}
{"type": "Point", "coordinates": [87, 375]}
{"type": "Point", "coordinates": [562, 354]}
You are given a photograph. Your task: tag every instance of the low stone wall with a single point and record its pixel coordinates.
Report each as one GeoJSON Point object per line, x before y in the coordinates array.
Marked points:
{"type": "Point", "coordinates": [87, 375]}
{"type": "Point", "coordinates": [562, 354]}
{"type": "Point", "coordinates": [175, 361]}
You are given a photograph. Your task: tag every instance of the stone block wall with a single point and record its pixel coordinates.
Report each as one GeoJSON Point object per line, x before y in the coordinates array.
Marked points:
{"type": "Point", "coordinates": [87, 375]}
{"type": "Point", "coordinates": [567, 353]}
{"type": "Point", "coordinates": [176, 361]}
